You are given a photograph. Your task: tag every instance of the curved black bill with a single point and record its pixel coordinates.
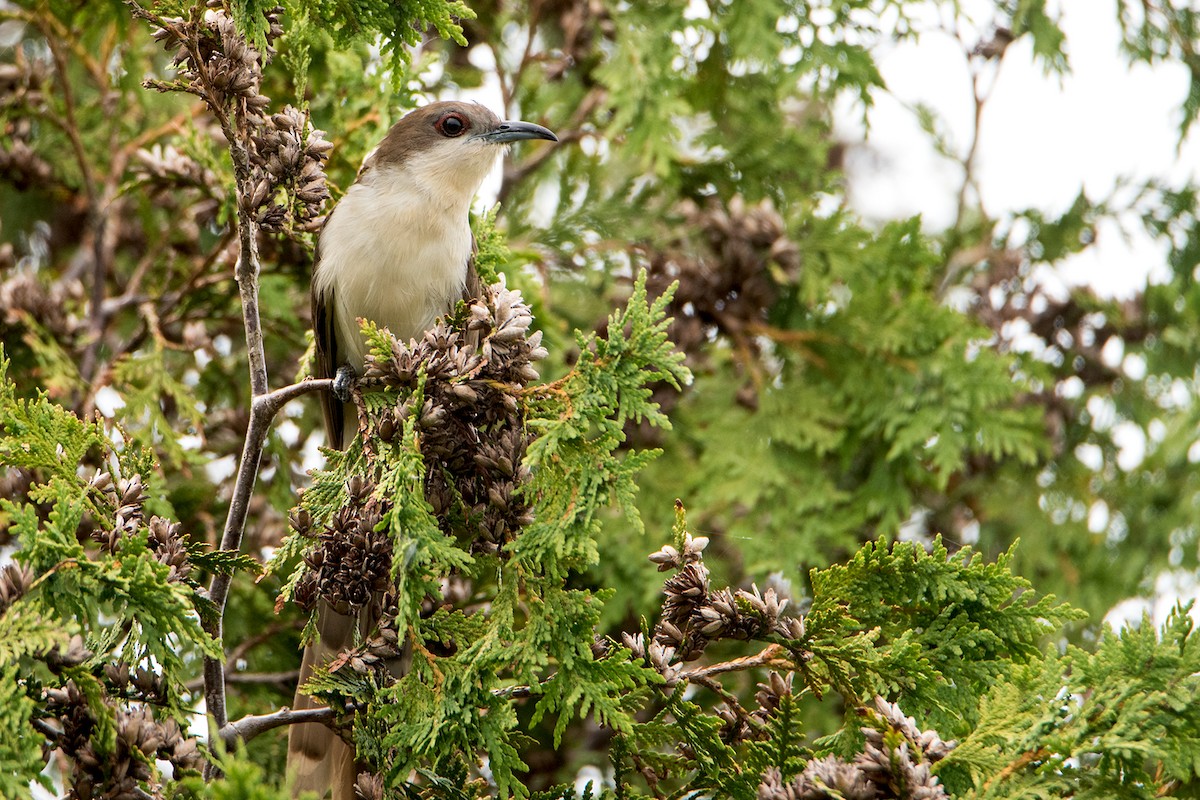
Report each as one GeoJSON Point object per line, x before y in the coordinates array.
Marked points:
{"type": "Point", "coordinates": [514, 131]}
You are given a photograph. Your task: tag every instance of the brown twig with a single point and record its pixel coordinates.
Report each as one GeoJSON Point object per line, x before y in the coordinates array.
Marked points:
{"type": "Point", "coordinates": [54, 41]}
{"type": "Point", "coordinates": [714, 685]}
{"type": "Point", "coordinates": [1024, 759]}
{"type": "Point", "coordinates": [263, 408]}
{"type": "Point", "coordinates": [648, 773]}
{"type": "Point", "coordinates": [264, 404]}
{"type": "Point", "coordinates": [968, 162]}
{"type": "Point", "coordinates": [100, 206]}
{"type": "Point", "coordinates": [233, 114]}
{"type": "Point", "coordinates": [248, 727]}
{"type": "Point", "coordinates": [979, 98]}
{"type": "Point", "coordinates": [770, 656]}
{"type": "Point", "coordinates": [514, 692]}
{"type": "Point", "coordinates": [265, 635]}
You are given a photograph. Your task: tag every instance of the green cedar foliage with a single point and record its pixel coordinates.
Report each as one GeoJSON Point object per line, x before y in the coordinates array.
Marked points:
{"type": "Point", "coordinates": [397, 26]}
{"type": "Point", "coordinates": [20, 753]}
{"type": "Point", "coordinates": [241, 779]}
{"type": "Point", "coordinates": [536, 629]}
{"type": "Point", "coordinates": [953, 623]}
{"type": "Point", "coordinates": [92, 636]}
{"type": "Point", "coordinates": [1118, 722]}
{"type": "Point", "coordinates": [122, 600]}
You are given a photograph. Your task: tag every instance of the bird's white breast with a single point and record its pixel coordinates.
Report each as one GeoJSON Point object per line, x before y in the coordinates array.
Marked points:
{"type": "Point", "coordinates": [393, 254]}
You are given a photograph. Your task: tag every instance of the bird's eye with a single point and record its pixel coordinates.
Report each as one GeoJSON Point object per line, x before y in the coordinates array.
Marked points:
{"type": "Point", "coordinates": [451, 125]}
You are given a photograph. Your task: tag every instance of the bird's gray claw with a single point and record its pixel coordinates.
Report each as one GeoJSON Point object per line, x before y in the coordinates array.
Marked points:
{"type": "Point", "coordinates": [343, 382]}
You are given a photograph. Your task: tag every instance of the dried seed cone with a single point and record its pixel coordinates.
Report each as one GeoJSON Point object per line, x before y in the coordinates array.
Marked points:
{"type": "Point", "coordinates": [729, 278]}
{"type": "Point", "coordinates": [879, 772]}
{"type": "Point", "coordinates": [119, 773]}
{"type": "Point", "coordinates": [15, 581]}
{"type": "Point", "coordinates": [472, 438]}
{"type": "Point", "coordinates": [472, 429]}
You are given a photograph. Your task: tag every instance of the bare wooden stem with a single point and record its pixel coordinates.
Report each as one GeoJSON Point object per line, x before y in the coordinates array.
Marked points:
{"type": "Point", "coordinates": [248, 727]}
{"type": "Point", "coordinates": [263, 409]}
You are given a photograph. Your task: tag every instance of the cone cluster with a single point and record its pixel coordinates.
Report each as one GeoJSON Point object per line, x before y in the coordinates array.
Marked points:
{"type": "Point", "coordinates": [104, 774]}
{"type": "Point", "coordinates": [471, 426]}
{"type": "Point", "coordinates": [729, 280]}
{"type": "Point", "coordinates": [893, 765]}
{"type": "Point", "coordinates": [283, 185]}
{"type": "Point", "coordinates": [471, 435]}
{"type": "Point", "coordinates": [694, 614]}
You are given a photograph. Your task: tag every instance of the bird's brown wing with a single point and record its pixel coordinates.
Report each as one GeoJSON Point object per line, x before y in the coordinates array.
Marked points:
{"type": "Point", "coordinates": [328, 359]}
{"type": "Point", "coordinates": [326, 362]}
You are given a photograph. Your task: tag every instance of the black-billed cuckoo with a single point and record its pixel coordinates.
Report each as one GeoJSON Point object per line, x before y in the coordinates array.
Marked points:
{"type": "Point", "coordinates": [397, 250]}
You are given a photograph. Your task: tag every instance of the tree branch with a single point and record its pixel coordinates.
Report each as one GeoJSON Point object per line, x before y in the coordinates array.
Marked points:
{"type": "Point", "coordinates": [263, 408]}
{"type": "Point", "coordinates": [248, 727]}
{"type": "Point", "coordinates": [266, 634]}
{"type": "Point", "coordinates": [46, 729]}
{"type": "Point", "coordinates": [237, 136]}
{"type": "Point", "coordinates": [269, 405]}
{"type": "Point", "coordinates": [769, 656]}
{"type": "Point", "coordinates": [979, 97]}
{"type": "Point", "coordinates": [514, 174]}
{"type": "Point", "coordinates": [714, 686]}
{"type": "Point", "coordinates": [232, 115]}
{"type": "Point", "coordinates": [103, 204]}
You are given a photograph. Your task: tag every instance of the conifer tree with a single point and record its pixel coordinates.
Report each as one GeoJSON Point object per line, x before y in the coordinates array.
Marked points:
{"type": "Point", "coordinates": [631, 516]}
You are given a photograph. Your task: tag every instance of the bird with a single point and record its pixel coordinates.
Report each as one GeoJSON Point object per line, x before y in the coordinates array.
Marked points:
{"type": "Point", "coordinates": [398, 250]}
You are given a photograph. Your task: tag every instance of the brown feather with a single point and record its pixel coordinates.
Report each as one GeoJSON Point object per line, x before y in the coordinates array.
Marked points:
{"type": "Point", "coordinates": [318, 760]}
{"type": "Point", "coordinates": [326, 361]}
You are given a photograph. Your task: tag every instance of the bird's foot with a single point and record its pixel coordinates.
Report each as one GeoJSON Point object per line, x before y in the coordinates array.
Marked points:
{"type": "Point", "coordinates": [343, 382]}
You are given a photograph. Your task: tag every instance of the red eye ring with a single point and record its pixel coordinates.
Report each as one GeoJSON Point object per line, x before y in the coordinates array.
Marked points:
{"type": "Point", "coordinates": [452, 124]}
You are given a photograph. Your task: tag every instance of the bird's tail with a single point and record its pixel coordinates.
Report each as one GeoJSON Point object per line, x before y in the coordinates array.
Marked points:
{"type": "Point", "coordinates": [318, 760]}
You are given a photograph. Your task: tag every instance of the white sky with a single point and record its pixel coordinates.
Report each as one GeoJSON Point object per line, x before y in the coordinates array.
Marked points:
{"type": "Point", "coordinates": [1042, 138]}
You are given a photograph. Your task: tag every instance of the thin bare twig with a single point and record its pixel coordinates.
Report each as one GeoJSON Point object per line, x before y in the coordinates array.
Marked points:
{"type": "Point", "coordinates": [979, 99]}
{"type": "Point", "coordinates": [770, 656]}
{"type": "Point", "coordinates": [265, 635]}
{"type": "Point", "coordinates": [100, 205]}
{"type": "Point", "coordinates": [514, 692]}
{"type": "Point", "coordinates": [248, 727]}
{"type": "Point", "coordinates": [714, 686]}
{"type": "Point", "coordinates": [233, 116]}
{"type": "Point", "coordinates": [54, 41]}
{"type": "Point", "coordinates": [264, 406]}
{"type": "Point", "coordinates": [514, 173]}
{"type": "Point", "coordinates": [968, 163]}
{"type": "Point", "coordinates": [46, 729]}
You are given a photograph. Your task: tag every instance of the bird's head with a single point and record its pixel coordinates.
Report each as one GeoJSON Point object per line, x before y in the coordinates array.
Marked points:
{"type": "Point", "coordinates": [448, 148]}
